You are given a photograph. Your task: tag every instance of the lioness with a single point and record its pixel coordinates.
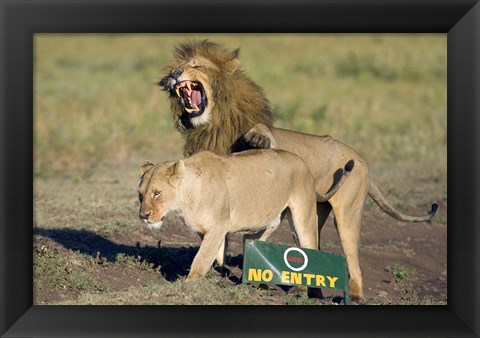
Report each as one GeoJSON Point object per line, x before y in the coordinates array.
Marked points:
{"type": "Point", "coordinates": [244, 192]}
{"type": "Point", "coordinates": [217, 107]}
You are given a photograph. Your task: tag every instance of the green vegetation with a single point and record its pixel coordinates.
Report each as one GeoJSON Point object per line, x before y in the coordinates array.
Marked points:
{"type": "Point", "coordinates": [96, 98]}
{"type": "Point", "coordinates": [400, 273]}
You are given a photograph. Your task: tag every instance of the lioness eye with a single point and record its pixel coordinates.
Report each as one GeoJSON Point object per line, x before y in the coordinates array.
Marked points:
{"type": "Point", "coordinates": [157, 193]}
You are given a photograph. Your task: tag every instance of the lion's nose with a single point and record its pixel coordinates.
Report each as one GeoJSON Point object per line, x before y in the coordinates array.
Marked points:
{"type": "Point", "coordinates": [145, 215]}
{"type": "Point", "coordinates": [176, 73]}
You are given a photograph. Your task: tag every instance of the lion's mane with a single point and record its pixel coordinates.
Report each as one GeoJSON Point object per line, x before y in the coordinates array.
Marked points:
{"type": "Point", "coordinates": [238, 102]}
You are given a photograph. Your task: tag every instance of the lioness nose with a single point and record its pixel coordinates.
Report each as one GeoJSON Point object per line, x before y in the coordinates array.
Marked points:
{"type": "Point", "coordinates": [176, 73]}
{"type": "Point", "coordinates": [145, 215]}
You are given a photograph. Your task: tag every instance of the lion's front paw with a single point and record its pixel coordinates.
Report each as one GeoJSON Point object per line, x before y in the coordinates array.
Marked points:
{"type": "Point", "coordinates": [257, 140]}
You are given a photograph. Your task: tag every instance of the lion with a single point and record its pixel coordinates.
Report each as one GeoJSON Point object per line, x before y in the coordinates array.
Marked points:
{"type": "Point", "coordinates": [204, 84]}
{"type": "Point", "coordinates": [245, 192]}
{"type": "Point", "coordinates": [217, 107]}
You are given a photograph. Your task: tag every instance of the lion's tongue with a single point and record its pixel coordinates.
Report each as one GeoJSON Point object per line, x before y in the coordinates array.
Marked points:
{"type": "Point", "coordinates": [196, 98]}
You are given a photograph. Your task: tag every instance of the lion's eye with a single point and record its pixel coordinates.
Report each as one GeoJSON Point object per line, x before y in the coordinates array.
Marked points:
{"type": "Point", "coordinates": [140, 198]}
{"type": "Point", "coordinates": [157, 193]}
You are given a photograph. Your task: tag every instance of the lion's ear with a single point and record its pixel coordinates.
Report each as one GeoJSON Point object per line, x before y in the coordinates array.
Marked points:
{"type": "Point", "coordinates": [234, 61]}
{"type": "Point", "coordinates": [235, 53]}
{"type": "Point", "coordinates": [144, 167]}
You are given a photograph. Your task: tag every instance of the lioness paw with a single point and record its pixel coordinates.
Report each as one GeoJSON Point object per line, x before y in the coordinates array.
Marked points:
{"type": "Point", "coordinates": [192, 277]}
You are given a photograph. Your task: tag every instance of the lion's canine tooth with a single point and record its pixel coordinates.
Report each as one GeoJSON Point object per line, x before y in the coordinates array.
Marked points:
{"type": "Point", "coordinates": [189, 85]}
{"type": "Point", "coordinates": [189, 110]}
{"type": "Point", "coordinates": [177, 90]}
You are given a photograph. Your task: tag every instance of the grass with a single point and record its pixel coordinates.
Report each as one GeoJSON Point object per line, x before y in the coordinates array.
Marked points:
{"type": "Point", "coordinates": [98, 114]}
{"type": "Point", "coordinates": [95, 96]}
{"type": "Point", "coordinates": [400, 273]}
{"type": "Point", "coordinates": [64, 272]}
{"type": "Point", "coordinates": [207, 291]}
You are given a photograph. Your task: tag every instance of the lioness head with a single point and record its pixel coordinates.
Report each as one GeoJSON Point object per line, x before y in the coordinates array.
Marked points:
{"type": "Point", "coordinates": [157, 191]}
{"type": "Point", "coordinates": [197, 78]}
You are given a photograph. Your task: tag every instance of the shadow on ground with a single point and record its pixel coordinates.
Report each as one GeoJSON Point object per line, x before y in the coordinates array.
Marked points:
{"type": "Point", "coordinates": [174, 262]}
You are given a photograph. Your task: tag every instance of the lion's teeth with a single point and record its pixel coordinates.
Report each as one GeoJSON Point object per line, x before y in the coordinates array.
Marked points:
{"type": "Point", "coordinates": [195, 107]}
{"type": "Point", "coordinates": [189, 85]}
{"type": "Point", "coordinates": [177, 90]}
{"type": "Point", "coordinates": [189, 110]}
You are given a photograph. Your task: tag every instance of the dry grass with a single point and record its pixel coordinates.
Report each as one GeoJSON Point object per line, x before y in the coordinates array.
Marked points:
{"type": "Point", "coordinates": [95, 96]}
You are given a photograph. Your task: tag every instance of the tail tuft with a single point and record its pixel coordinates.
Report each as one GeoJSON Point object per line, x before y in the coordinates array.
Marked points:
{"type": "Point", "coordinates": [349, 166]}
{"type": "Point", "coordinates": [434, 208]}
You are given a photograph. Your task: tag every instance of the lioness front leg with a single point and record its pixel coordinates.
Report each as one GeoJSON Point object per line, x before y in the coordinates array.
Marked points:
{"type": "Point", "coordinates": [212, 241]}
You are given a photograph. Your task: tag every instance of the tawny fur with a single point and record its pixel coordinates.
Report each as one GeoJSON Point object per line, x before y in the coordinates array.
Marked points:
{"type": "Point", "coordinates": [245, 192]}
{"type": "Point", "coordinates": [240, 105]}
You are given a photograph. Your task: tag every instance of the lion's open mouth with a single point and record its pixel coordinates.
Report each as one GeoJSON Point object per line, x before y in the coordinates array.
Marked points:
{"type": "Point", "coordinates": [193, 96]}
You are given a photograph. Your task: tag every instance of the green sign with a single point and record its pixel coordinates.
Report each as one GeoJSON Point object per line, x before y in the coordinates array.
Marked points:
{"type": "Point", "coordinates": [270, 263]}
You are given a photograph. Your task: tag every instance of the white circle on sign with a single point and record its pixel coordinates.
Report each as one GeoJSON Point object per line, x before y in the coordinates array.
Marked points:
{"type": "Point", "coordinates": [305, 261]}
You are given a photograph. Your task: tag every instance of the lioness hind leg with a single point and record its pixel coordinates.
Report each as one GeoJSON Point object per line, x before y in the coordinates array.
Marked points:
{"type": "Point", "coordinates": [209, 249]}
{"type": "Point", "coordinates": [304, 222]}
{"type": "Point", "coordinates": [263, 234]}
{"type": "Point", "coordinates": [221, 253]}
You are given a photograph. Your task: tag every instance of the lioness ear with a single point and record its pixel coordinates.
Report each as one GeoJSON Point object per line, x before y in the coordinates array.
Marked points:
{"type": "Point", "coordinates": [234, 61]}
{"type": "Point", "coordinates": [179, 169]}
{"type": "Point", "coordinates": [144, 167]}
{"type": "Point", "coordinates": [177, 173]}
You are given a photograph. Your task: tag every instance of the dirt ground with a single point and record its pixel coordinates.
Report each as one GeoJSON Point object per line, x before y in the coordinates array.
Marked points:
{"type": "Point", "coordinates": [111, 251]}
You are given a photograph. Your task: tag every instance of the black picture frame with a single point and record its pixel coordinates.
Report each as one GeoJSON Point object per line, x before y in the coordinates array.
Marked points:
{"type": "Point", "coordinates": [460, 19]}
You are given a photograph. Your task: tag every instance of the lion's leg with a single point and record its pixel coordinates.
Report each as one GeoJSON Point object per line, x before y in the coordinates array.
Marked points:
{"type": "Point", "coordinates": [348, 210]}
{"type": "Point", "coordinates": [211, 244]}
{"type": "Point", "coordinates": [350, 239]}
{"type": "Point", "coordinates": [323, 210]}
{"type": "Point", "coordinates": [260, 137]}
